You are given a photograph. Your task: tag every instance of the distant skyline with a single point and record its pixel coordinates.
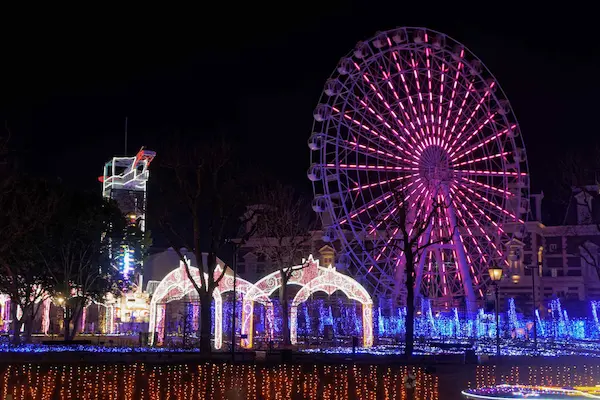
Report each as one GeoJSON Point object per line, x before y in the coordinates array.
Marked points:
{"type": "Point", "coordinates": [257, 76]}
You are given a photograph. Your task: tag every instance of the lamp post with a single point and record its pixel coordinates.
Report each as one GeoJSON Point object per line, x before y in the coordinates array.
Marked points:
{"type": "Point", "coordinates": [496, 275]}
{"type": "Point", "coordinates": [535, 270]}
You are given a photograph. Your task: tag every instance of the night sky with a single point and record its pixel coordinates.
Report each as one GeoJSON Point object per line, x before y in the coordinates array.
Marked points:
{"type": "Point", "coordinates": [256, 73]}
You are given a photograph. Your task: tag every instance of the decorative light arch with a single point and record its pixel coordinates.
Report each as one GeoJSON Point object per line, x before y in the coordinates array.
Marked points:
{"type": "Point", "coordinates": [177, 285]}
{"type": "Point", "coordinates": [312, 278]}
{"type": "Point", "coordinates": [329, 280]}
{"type": "Point", "coordinates": [265, 287]}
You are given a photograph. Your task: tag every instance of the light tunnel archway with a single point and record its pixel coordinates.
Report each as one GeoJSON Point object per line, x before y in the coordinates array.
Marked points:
{"type": "Point", "coordinates": [177, 285]}
{"type": "Point", "coordinates": [312, 277]}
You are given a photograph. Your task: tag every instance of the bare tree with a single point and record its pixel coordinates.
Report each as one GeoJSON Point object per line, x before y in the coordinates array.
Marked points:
{"type": "Point", "coordinates": [579, 185]}
{"type": "Point", "coordinates": [205, 194]}
{"type": "Point", "coordinates": [283, 235]}
{"type": "Point", "coordinates": [408, 232]}
{"type": "Point", "coordinates": [26, 205]}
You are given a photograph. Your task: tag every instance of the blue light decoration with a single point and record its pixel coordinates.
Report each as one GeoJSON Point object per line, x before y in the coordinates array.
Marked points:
{"type": "Point", "coordinates": [126, 261]}
{"type": "Point", "coordinates": [456, 322]}
{"type": "Point", "coordinates": [189, 309]}
{"type": "Point", "coordinates": [307, 325]}
{"type": "Point", "coordinates": [442, 325]}
{"type": "Point", "coordinates": [540, 325]}
{"type": "Point", "coordinates": [512, 315]}
{"type": "Point", "coordinates": [321, 318]}
{"type": "Point", "coordinates": [380, 322]}
{"type": "Point", "coordinates": [401, 322]}
{"type": "Point", "coordinates": [567, 322]}
{"type": "Point", "coordinates": [357, 322]}
{"type": "Point", "coordinates": [463, 330]}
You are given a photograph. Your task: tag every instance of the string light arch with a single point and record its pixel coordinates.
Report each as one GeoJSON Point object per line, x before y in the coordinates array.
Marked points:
{"type": "Point", "coordinates": [329, 280]}
{"type": "Point", "coordinates": [177, 285]}
{"type": "Point", "coordinates": [312, 277]}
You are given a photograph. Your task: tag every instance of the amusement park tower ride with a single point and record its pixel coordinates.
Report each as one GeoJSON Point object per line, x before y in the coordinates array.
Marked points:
{"type": "Point", "coordinates": [124, 180]}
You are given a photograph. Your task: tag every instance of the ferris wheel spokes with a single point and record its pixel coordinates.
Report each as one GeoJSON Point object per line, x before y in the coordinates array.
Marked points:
{"type": "Point", "coordinates": [405, 109]}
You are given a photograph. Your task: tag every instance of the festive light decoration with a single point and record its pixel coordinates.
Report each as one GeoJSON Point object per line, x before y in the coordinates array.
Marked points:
{"type": "Point", "coordinates": [214, 381]}
{"type": "Point", "coordinates": [176, 285]}
{"type": "Point", "coordinates": [412, 111]}
{"type": "Point", "coordinates": [561, 376]}
{"type": "Point", "coordinates": [329, 280]}
{"type": "Point", "coordinates": [124, 180]}
{"type": "Point", "coordinates": [312, 278]}
{"type": "Point", "coordinates": [504, 392]}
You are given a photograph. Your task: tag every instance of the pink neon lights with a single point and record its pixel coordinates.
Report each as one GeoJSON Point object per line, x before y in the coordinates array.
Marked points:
{"type": "Point", "coordinates": [483, 143]}
{"type": "Point", "coordinates": [482, 159]}
{"type": "Point", "coordinates": [384, 182]}
{"type": "Point", "coordinates": [393, 108]}
{"type": "Point", "coordinates": [371, 167]}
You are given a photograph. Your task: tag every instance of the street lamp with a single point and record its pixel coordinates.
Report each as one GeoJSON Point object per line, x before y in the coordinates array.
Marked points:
{"type": "Point", "coordinates": [496, 275]}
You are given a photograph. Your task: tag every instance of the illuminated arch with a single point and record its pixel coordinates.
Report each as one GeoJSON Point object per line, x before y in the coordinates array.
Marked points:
{"type": "Point", "coordinates": [265, 287]}
{"type": "Point", "coordinates": [177, 285]}
{"type": "Point", "coordinates": [329, 280]}
{"type": "Point", "coordinates": [312, 277]}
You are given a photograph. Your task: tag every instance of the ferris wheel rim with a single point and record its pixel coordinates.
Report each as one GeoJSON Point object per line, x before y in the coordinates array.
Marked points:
{"type": "Point", "coordinates": [484, 73]}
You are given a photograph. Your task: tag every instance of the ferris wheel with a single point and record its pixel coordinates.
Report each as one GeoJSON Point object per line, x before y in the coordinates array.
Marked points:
{"type": "Point", "coordinates": [413, 113]}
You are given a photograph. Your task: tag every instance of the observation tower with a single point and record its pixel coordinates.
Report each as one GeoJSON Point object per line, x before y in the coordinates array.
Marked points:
{"type": "Point", "coordinates": [124, 180]}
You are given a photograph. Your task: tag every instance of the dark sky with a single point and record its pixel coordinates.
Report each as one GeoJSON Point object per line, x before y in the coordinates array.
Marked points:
{"type": "Point", "coordinates": [256, 73]}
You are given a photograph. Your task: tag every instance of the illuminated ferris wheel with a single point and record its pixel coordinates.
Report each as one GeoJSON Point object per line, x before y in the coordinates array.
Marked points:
{"type": "Point", "coordinates": [413, 112]}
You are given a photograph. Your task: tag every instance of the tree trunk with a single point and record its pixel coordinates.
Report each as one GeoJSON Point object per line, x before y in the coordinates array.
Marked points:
{"type": "Point", "coordinates": [28, 317]}
{"type": "Point", "coordinates": [285, 313]}
{"type": "Point", "coordinates": [410, 306]}
{"type": "Point", "coordinates": [16, 324]}
{"type": "Point", "coordinates": [76, 317]}
{"type": "Point", "coordinates": [205, 323]}
{"type": "Point", "coordinates": [67, 322]}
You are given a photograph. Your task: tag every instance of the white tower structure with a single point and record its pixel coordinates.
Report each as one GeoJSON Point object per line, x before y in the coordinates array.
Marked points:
{"type": "Point", "coordinates": [124, 180]}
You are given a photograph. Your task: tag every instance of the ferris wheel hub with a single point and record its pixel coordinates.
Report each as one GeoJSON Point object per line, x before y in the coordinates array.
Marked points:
{"type": "Point", "coordinates": [434, 166]}
{"type": "Point", "coordinates": [410, 119]}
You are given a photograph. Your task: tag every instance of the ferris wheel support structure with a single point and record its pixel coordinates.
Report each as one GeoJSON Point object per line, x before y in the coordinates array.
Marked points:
{"type": "Point", "coordinates": [412, 112]}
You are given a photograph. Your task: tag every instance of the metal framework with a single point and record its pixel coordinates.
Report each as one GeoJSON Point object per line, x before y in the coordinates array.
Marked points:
{"type": "Point", "coordinates": [124, 180]}
{"type": "Point", "coordinates": [412, 113]}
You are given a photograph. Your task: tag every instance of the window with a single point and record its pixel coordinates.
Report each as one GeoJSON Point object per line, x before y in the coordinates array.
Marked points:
{"type": "Point", "coordinates": [574, 272]}
{"type": "Point", "coordinates": [260, 268]}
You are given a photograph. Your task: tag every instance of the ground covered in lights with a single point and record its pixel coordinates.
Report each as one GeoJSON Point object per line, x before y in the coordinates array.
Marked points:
{"type": "Point", "coordinates": [38, 348]}
{"type": "Point", "coordinates": [546, 348]}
